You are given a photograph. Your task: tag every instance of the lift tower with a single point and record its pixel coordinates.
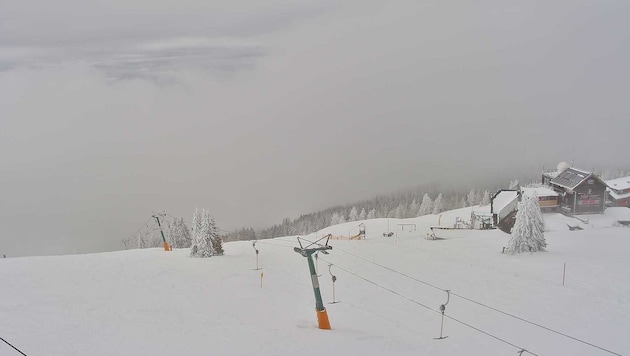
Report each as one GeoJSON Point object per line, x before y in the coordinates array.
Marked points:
{"type": "Point", "coordinates": [308, 251]}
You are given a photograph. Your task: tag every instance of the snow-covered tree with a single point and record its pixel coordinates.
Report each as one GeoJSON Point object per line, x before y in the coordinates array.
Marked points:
{"type": "Point", "coordinates": [460, 202]}
{"type": "Point", "coordinates": [354, 215]}
{"type": "Point", "coordinates": [528, 231]}
{"type": "Point", "coordinates": [400, 212]}
{"type": "Point", "coordinates": [514, 184]}
{"type": "Point", "coordinates": [426, 206]}
{"type": "Point", "coordinates": [179, 234]}
{"type": "Point", "coordinates": [202, 240]}
{"type": "Point", "coordinates": [342, 218]}
{"type": "Point", "coordinates": [141, 240]}
{"type": "Point", "coordinates": [472, 198]}
{"type": "Point", "coordinates": [170, 231]}
{"type": "Point", "coordinates": [485, 198]}
{"type": "Point", "coordinates": [438, 205]}
{"type": "Point", "coordinates": [362, 214]}
{"type": "Point", "coordinates": [413, 209]}
{"type": "Point", "coordinates": [217, 242]}
{"type": "Point", "coordinates": [371, 214]}
{"type": "Point", "coordinates": [334, 220]}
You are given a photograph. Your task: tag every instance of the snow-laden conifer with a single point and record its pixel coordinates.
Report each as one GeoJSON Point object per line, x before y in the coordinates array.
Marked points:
{"type": "Point", "coordinates": [528, 231]}
{"type": "Point", "coordinates": [485, 198]}
{"type": "Point", "coordinates": [334, 220]}
{"type": "Point", "coordinates": [184, 234]}
{"type": "Point", "coordinates": [178, 234]}
{"type": "Point", "coordinates": [413, 209]}
{"type": "Point", "coordinates": [141, 240]}
{"type": "Point", "coordinates": [473, 198]}
{"type": "Point", "coordinates": [362, 214]}
{"type": "Point", "coordinates": [202, 240]}
{"type": "Point", "coordinates": [217, 242]}
{"type": "Point", "coordinates": [371, 214]}
{"type": "Point", "coordinates": [354, 215]}
{"type": "Point", "coordinates": [426, 207]}
{"type": "Point", "coordinates": [400, 212]}
{"type": "Point", "coordinates": [461, 203]}
{"type": "Point", "coordinates": [438, 205]}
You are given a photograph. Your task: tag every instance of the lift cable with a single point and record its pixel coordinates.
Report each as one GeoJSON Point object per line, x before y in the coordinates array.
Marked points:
{"type": "Point", "coordinates": [140, 228]}
{"type": "Point", "coordinates": [15, 348]}
{"type": "Point", "coordinates": [521, 349]}
{"type": "Point", "coordinates": [272, 244]}
{"type": "Point", "coordinates": [478, 303]}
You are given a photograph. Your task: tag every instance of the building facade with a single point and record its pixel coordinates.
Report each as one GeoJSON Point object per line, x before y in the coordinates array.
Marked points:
{"type": "Point", "coordinates": [548, 199]}
{"type": "Point", "coordinates": [579, 191]}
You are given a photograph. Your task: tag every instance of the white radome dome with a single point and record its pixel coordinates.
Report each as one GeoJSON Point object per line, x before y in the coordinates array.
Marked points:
{"type": "Point", "coordinates": [563, 166]}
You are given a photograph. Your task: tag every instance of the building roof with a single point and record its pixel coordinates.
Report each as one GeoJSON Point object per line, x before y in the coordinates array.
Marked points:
{"type": "Point", "coordinates": [618, 197]}
{"type": "Point", "coordinates": [540, 191]}
{"type": "Point", "coordinates": [502, 199]}
{"type": "Point", "coordinates": [571, 178]}
{"type": "Point", "coordinates": [622, 183]}
{"type": "Point", "coordinates": [551, 173]}
{"type": "Point", "coordinates": [615, 185]}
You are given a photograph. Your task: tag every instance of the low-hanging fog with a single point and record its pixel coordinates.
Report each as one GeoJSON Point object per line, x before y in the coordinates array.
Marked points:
{"type": "Point", "coordinates": [110, 110]}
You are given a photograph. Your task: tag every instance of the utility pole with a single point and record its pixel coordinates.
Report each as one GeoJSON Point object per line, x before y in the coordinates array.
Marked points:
{"type": "Point", "coordinates": [308, 251]}
{"type": "Point", "coordinates": [166, 246]}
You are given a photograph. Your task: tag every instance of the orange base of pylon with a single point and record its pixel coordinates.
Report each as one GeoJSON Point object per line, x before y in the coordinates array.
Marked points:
{"type": "Point", "coordinates": [322, 319]}
{"type": "Point", "coordinates": [166, 247]}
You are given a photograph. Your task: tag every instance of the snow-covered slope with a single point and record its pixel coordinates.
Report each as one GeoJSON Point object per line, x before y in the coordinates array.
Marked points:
{"type": "Point", "coordinates": [151, 302]}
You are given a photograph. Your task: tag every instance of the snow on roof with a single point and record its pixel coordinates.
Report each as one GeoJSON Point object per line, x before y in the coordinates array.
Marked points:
{"type": "Point", "coordinates": [551, 173]}
{"type": "Point", "coordinates": [616, 196]}
{"type": "Point", "coordinates": [540, 191]}
{"type": "Point", "coordinates": [622, 183]}
{"type": "Point", "coordinates": [580, 170]}
{"type": "Point", "coordinates": [571, 178]}
{"type": "Point", "coordinates": [502, 199]}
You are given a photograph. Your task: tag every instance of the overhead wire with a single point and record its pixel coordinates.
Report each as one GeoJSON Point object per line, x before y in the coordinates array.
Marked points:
{"type": "Point", "coordinates": [143, 225]}
{"type": "Point", "coordinates": [272, 244]}
{"type": "Point", "coordinates": [429, 308]}
{"type": "Point", "coordinates": [15, 348]}
{"type": "Point", "coordinates": [482, 304]}
{"type": "Point", "coordinates": [536, 324]}
{"type": "Point", "coordinates": [477, 302]}
{"type": "Point", "coordinates": [521, 349]}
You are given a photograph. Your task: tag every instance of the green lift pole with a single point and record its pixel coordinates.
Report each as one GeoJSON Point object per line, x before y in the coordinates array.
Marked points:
{"type": "Point", "coordinates": [166, 246]}
{"type": "Point", "coordinates": [322, 315]}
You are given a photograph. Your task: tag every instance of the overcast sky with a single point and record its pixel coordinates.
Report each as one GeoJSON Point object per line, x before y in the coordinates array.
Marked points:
{"type": "Point", "coordinates": [259, 110]}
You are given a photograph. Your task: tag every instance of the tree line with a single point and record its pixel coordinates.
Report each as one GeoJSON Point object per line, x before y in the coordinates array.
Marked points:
{"type": "Point", "coordinates": [403, 204]}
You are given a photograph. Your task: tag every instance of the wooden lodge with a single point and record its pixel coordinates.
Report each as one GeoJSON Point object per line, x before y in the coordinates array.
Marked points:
{"type": "Point", "coordinates": [579, 191]}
